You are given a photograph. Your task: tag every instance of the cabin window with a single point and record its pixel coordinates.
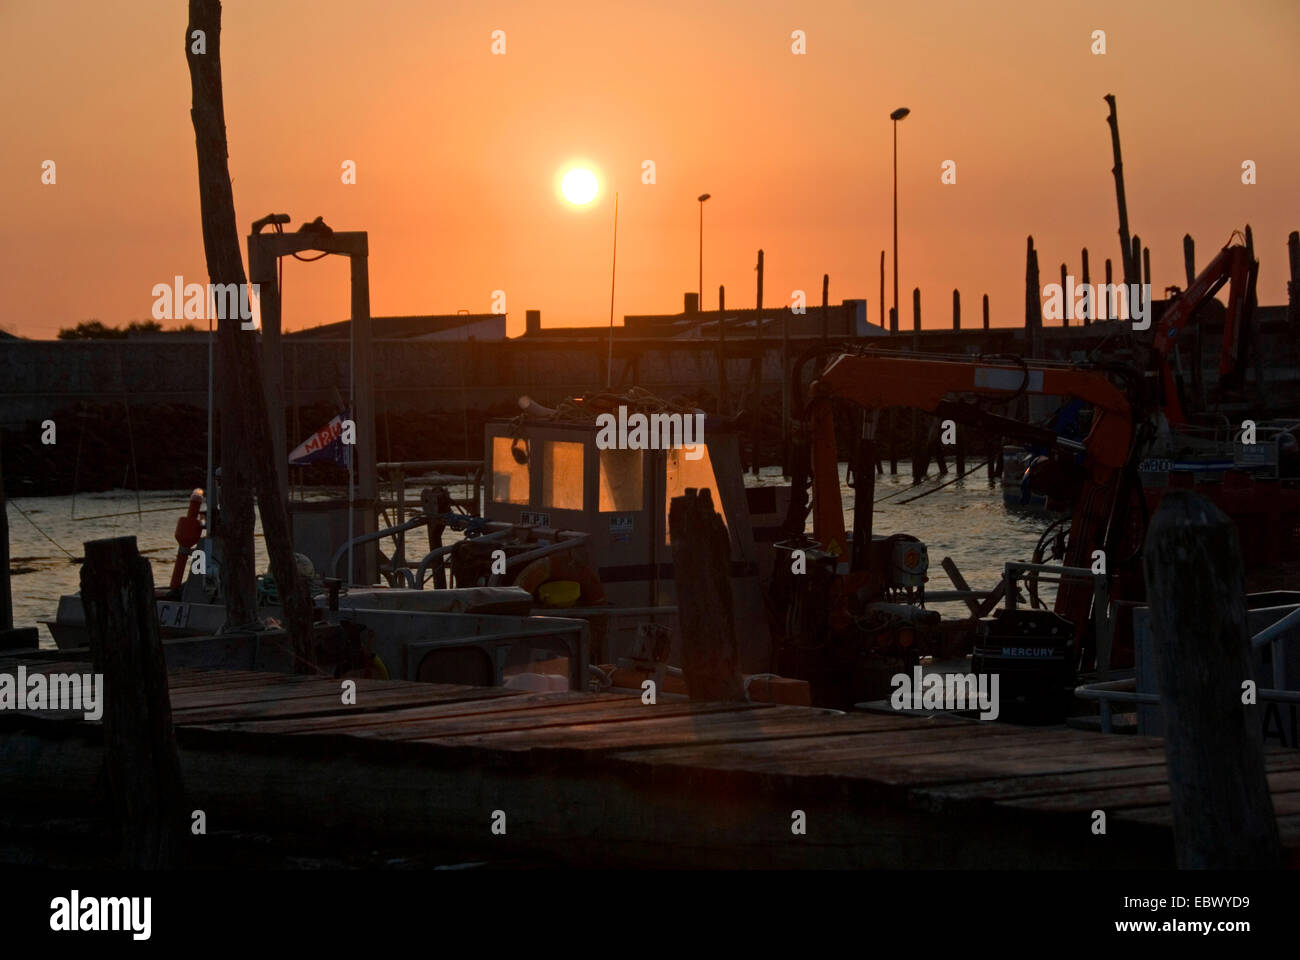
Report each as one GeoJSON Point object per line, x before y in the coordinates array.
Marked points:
{"type": "Point", "coordinates": [683, 473]}
{"type": "Point", "coordinates": [562, 475]}
{"type": "Point", "coordinates": [620, 480]}
{"type": "Point", "coordinates": [509, 476]}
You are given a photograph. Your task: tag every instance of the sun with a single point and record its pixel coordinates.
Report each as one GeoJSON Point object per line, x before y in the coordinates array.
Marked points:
{"type": "Point", "coordinates": [579, 186]}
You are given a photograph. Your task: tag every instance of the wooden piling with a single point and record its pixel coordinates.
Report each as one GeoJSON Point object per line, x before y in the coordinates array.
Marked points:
{"type": "Point", "coordinates": [723, 391]}
{"type": "Point", "coordinates": [826, 317]}
{"type": "Point", "coordinates": [1066, 307]}
{"type": "Point", "coordinates": [701, 551]}
{"type": "Point", "coordinates": [1136, 255]}
{"type": "Point", "coordinates": [1222, 812]}
{"type": "Point", "coordinates": [141, 758]}
{"type": "Point", "coordinates": [956, 310]}
{"type": "Point", "coordinates": [1033, 300]}
{"type": "Point", "coordinates": [1091, 311]}
{"type": "Point", "coordinates": [890, 327]}
{"type": "Point", "coordinates": [1129, 267]}
{"type": "Point", "coordinates": [6, 597]}
{"type": "Point", "coordinates": [249, 454]}
{"type": "Point", "coordinates": [893, 411]}
{"type": "Point", "coordinates": [986, 311]}
{"type": "Point", "coordinates": [920, 446]}
{"type": "Point", "coordinates": [1104, 307]}
{"type": "Point", "coordinates": [1293, 284]}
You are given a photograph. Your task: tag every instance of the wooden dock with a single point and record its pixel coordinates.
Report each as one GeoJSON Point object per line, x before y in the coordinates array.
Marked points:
{"type": "Point", "coordinates": [603, 779]}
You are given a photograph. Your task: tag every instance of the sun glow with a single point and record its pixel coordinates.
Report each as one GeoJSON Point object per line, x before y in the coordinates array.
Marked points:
{"type": "Point", "coordinates": [579, 186]}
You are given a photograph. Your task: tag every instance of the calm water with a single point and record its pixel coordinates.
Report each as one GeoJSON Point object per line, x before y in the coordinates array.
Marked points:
{"type": "Point", "coordinates": [966, 521]}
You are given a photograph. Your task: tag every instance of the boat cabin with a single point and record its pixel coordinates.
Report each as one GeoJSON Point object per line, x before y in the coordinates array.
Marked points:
{"type": "Point", "coordinates": [554, 476]}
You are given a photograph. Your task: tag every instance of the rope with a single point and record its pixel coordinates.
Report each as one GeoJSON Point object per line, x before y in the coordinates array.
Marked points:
{"type": "Point", "coordinates": [42, 532]}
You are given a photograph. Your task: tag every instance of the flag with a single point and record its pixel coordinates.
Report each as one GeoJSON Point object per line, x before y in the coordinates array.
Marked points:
{"type": "Point", "coordinates": [325, 445]}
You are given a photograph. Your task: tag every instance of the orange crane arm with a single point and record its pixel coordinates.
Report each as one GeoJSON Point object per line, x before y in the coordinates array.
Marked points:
{"type": "Point", "coordinates": [1235, 266]}
{"type": "Point", "coordinates": [873, 381]}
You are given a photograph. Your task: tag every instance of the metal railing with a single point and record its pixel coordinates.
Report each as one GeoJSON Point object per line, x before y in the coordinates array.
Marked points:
{"type": "Point", "coordinates": [1125, 691]}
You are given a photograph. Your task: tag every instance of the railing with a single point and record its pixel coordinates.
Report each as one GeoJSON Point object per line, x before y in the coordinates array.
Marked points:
{"type": "Point", "coordinates": [1277, 635]}
{"type": "Point", "coordinates": [1101, 605]}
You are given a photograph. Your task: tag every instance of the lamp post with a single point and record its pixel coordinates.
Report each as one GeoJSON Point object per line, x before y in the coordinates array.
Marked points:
{"type": "Point", "coordinates": [897, 115]}
{"type": "Point", "coordinates": [700, 304]}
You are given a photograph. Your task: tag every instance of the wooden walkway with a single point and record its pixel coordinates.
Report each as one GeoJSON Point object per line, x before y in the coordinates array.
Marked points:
{"type": "Point", "coordinates": [600, 779]}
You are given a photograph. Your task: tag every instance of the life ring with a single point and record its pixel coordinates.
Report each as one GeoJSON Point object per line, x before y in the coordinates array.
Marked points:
{"type": "Point", "coordinates": [558, 567]}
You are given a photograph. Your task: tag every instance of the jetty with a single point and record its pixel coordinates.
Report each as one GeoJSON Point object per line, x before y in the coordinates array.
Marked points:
{"type": "Point", "coordinates": [607, 780]}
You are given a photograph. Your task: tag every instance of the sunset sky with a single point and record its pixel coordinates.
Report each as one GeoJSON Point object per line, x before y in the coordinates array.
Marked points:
{"type": "Point", "coordinates": [457, 150]}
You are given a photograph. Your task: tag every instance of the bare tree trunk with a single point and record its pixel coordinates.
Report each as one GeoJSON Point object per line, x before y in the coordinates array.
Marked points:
{"type": "Point", "coordinates": [247, 452]}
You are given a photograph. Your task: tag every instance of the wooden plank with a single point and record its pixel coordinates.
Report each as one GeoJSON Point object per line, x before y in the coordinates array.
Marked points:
{"type": "Point", "coordinates": [1284, 804]}
{"type": "Point", "coordinates": [778, 723]}
{"type": "Point", "coordinates": [331, 703]}
{"type": "Point", "coordinates": [887, 767]}
{"type": "Point", "coordinates": [952, 743]}
{"type": "Point", "coordinates": [295, 687]}
{"type": "Point", "coordinates": [1128, 795]}
{"type": "Point", "coordinates": [615, 712]}
{"type": "Point", "coordinates": [454, 708]}
{"type": "Point", "coordinates": [942, 796]}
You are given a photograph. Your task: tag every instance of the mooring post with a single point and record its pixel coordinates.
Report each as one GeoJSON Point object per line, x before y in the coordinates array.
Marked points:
{"type": "Point", "coordinates": [143, 763]}
{"type": "Point", "coordinates": [1066, 307]}
{"type": "Point", "coordinates": [1105, 312]}
{"type": "Point", "coordinates": [6, 597]}
{"type": "Point", "coordinates": [1293, 285]}
{"type": "Point", "coordinates": [920, 448]}
{"type": "Point", "coordinates": [1214, 745]}
{"type": "Point", "coordinates": [1033, 300]}
{"type": "Point", "coordinates": [701, 552]}
{"type": "Point", "coordinates": [956, 310]}
{"type": "Point", "coordinates": [1136, 255]}
{"type": "Point", "coordinates": [1130, 267]}
{"type": "Point", "coordinates": [826, 316]}
{"type": "Point", "coordinates": [1091, 312]}
{"type": "Point", "coordinates": [723, 392]}
{"type": "Point", "coordinates": [892, 324]}
{"type": "Point", "coordinates": [986, 311]}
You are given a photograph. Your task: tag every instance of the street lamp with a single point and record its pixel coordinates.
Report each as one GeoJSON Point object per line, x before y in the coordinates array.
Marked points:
{"type": "Point", "coordinates": [897, 115]}
{"type": "Point", "coordinates": [700, 305]}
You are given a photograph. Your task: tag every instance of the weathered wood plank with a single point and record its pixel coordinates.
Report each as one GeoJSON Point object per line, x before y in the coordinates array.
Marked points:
{"type": "Point", "coordinates": [1116, 797]}
{"type": "Point", "coordinates": [778, 723]}
{"type": "Point", "coordinates": [345, 723]}
{"type": "Point", "coordinates": [329, 703]}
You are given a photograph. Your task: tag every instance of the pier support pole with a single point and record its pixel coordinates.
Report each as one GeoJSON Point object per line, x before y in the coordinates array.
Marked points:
{"type": "Point", "coordinates": [920, 445]}
{"type": "Point", "coordinates": [1293, 285]}
{"type": "Point", "coordinates": [701, 551]}
{"type": "Point", "coordinates": [1214, 745]}
{"type": "Point", "coordinates": [143, 763]}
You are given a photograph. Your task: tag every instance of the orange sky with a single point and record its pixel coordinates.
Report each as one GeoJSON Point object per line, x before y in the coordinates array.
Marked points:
{"type": "Point", "coordinates": [457, 149]}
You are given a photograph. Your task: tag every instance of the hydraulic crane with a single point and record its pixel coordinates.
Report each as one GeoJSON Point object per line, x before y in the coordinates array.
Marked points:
{"type": "Point", "coordinates": [1095, 474]}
